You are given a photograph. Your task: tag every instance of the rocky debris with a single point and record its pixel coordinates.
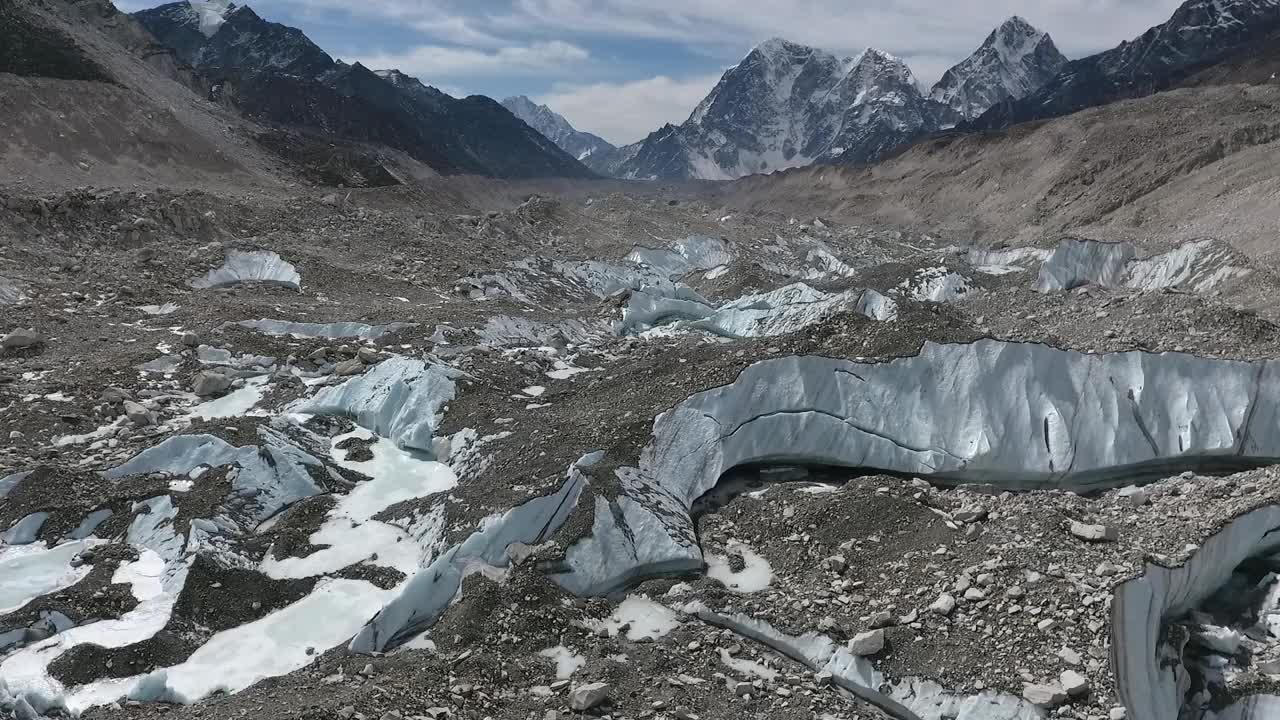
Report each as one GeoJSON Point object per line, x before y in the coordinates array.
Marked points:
{"type": "Point", "coordinates": [21, 339]}
{"type": "Point", "coordinates": [1094, 533]}
{"type": "Point", "coordinates": [209, 383]}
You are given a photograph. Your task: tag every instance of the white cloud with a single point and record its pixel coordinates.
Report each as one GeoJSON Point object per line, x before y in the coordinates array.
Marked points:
{"type": "Point", "coordinates": [623, 113]}
{"type": "Point", "coordinates": [429, 62]}
{"type": "Point", "coordinates": [941, 28]}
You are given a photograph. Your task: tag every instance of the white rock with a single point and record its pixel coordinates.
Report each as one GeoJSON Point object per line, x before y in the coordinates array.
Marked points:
{"type": "Point", "coordinates": [1094, 533]}
{"type": "Point", "coordinates": [585, 697]}
{"type": "Point", "coordinates": [1044, 696]}
{"type": "Point", "coordinates": [867, 643]}
{"type": "Point", "coordinates": [943, 605]}
{"type": "Point", "coordinates": [1074, 683]}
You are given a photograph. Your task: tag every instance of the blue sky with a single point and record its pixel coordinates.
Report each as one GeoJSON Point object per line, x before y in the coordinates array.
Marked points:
{"type": "Point", "coordinates": [621, 68]}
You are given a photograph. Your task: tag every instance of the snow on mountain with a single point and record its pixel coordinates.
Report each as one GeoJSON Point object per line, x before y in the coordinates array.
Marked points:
{"type": "Point", "coordinates": [210, 14]}
{"type": "Point", "coordinates": [787, 105]}
{"type": "Point", "coordinates": [586, 147]}
{"type": "Point", "coordinates": [1197, 35]}
{"type": "Point", "coordinates": [1016, 60]}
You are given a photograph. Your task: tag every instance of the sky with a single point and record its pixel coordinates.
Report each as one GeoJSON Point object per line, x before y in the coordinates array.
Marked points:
{"type": "Point", "coordinates": [623, 68]}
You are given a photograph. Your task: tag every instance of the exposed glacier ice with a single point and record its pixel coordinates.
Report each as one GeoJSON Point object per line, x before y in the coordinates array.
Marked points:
{"type": "Point", "coordinates": [350, 534]}
{"type": "Point", "coordinates": [334, 330]}
{"type": "Point", "coordinates": [30, 571]}
{"type": "Point", "coordinates": [400, 398]}
{"type": "Point", "coordinates": [255, 267]}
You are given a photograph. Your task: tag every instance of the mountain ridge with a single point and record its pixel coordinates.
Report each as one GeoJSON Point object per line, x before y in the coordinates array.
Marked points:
{"type": "Point", "coordinates": [275, 74]}
{"type": "Point", "coordinates": [788, 105]}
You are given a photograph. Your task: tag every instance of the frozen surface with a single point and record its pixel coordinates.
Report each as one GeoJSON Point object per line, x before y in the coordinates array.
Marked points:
{"type": "Point", "coordinates": [165, 309]}
{"type": "Point", "coordinates": [953, 413]}
{"type": "Point", "coordinates": [29, 571]}
{"type": "Point", "coordinates": [26, 671]}
{"type": "Point", "coordinates": [429, 592]}
{"type": "Point", "coordinates": [349, 529]}
{"type": "Point", "coordinates": [643, 618]}
{"type": "Point", "coordinates": [275, 645]}
{"type": "Point", "coordinates": [335, 330]}
{"type": "Point", "coordinates": [567, 662]}
{"type": "Point", "coordinates": [9, 482]}
{"type": "Point", "coordinates": [26, 530]}
{"type": "Point", "coordinates": [256, 267]}
{"type": "Point", "coordinates": [275, 471]}
{"type": "Point", "coordinates": [400, 398]}
{"type": "Point", "coordinates": [936, 285]}
{"type": "Point", "coordinates": [10, 292]}
{"type": "Point", "coordinates": [1198, 266]}
{"type": "Point", "coordinates": [754, 577]}
{"type": "Point", "coordinates": [234, 404]}
{"type": "Point", "coordinates": [778, 312]}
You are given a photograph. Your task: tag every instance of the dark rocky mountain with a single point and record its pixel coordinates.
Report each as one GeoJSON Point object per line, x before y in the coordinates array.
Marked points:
{"type": "Point", "coordinates": [787, 105]}
{"type": "Point", "coordinates": [275, 74]}
{"type": "Point", "coordinates": [1200, 34]}
{"type": "Point", "coordinates": [1015, 60]}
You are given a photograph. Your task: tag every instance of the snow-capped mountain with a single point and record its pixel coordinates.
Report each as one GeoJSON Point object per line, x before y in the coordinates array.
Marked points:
{"type": "Point", "coordinates": [788, 105]}
{"type": "Point", "coordinates": [1016, 60]}
{"type": "Point", "coordinates": [274, 73]}
{"type": "Point", "coordinates": [1200, 33]}
{"type": "Point", "coordinates": [582, 145]}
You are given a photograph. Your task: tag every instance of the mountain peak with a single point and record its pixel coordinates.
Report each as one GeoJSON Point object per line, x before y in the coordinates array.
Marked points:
{"type": "Point", "coordinates": [553, 126]}
{"type": "Point", "coordinates": [1015, 60]}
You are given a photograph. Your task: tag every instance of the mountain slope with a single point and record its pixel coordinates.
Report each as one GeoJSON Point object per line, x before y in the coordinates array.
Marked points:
{"type": "Point", "coordinates": [582, 145]}
{"type": "Point", "coordinates": [788, 105]}
{"type": "Point", "coordinates": [1014, 61]}
{"type": "Point", "coordinates": [1199, 34]}
{"type": "Point", "coordinates": [275, 74]}
{"type": "Point", "coordinates": [99, 103]}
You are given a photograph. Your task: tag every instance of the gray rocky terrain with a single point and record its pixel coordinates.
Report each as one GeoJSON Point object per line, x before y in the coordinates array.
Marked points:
{"type": "Point", "coordinates": [988, 431]}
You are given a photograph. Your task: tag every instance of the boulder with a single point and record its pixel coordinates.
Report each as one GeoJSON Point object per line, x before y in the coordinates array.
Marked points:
{"type": "Point", "coordinates": [349, 367]}
{"type": "Point", "coordinates": [585, 697]}
{"type": "Point", "coordinates": [208, 383]}
{"type": "Point", "coordinates": [1046, 697]}
{"type": "Point", "coordinates": [867, 643]}
{"type": "Point", "coordinates": [138, 415]}
{"type": "Point", "coordinates": [21, 339]}
{"type": "Point", "coordinates": [1094, 533]}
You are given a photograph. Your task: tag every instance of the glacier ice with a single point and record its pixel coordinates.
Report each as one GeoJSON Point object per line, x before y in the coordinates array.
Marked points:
{"type": "Point", "coordinates": [333, 331]}
{"type": "Point", "coordinates": [275, 472]}
{"type": "Point", "coordinates": [778, 312]}
{"type": "Point", "coordinates": [428, 594]}
{"type": "Point", "coordinates": [34, 570]}
{"type": "Point", "coordinates": [253, 267]}
{"type": "Point", "coordinates": [400, 398]}
{"type": "Point", "coordinates": [1019, 416]}
{"type": "Point", "coordinates": [1197, 266]}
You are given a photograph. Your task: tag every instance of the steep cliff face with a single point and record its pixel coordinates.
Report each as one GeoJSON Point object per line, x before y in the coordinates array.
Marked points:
{"type": "Point", "coordinates": [788, 105]}
{"type": "Point", "coordinates": [1199, 34]}
{"type": "Point", "coordinates": [1014, 61]}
